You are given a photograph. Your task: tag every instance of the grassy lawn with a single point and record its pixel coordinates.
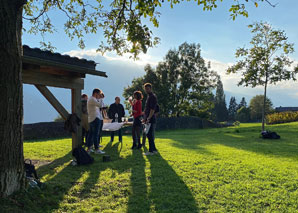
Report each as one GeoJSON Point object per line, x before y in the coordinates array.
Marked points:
{"type": "Point", "coordinates": [209, 170]}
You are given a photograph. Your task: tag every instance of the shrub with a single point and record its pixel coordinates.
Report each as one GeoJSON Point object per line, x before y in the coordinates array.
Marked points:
{"type": "Point", "coordinates": [281, 117]}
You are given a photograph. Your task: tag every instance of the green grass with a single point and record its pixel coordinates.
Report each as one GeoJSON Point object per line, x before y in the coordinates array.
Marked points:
{"type": "Point", "coordinates": [209, 170]}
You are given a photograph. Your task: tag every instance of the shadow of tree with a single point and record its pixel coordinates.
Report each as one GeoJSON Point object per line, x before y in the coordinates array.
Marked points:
{"type": "Point", "coordinates": [243, 138]}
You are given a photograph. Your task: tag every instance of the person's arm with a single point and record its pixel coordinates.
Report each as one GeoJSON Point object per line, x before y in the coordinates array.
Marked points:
{"type": "Point", "coordinates": [152, 106]}
{"type": "Point", "coordinates": [93, 102]}
{"type": "Point", "coordinates": [150, 115]}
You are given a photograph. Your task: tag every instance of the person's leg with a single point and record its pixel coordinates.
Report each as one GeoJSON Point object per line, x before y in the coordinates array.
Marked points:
{"type": "Point", "coordinates": [100, 131]}
{"type": "Point", "coordinates": [90, 138]}
{"type": "Point", "coordinates": [96, 133]}
{"type": "Point", "coordinates": [153, 137]}
{"type": "Point", "coordinates": [120, 134]}
{"type": "Point", "coordinates": [112, 136]}
{"type": "Point", "coordinates": [138, 136]}
{"type": "Point", "coordinates": [150, 136]}
{"type": "Point", "coordinates": [134, 145]}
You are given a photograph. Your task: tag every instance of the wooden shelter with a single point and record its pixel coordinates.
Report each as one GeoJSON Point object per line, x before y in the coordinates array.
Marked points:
{"type": "Point", "coordinates": [44, 68]}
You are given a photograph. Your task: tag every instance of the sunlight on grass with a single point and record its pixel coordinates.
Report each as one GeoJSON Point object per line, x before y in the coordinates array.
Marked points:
{"type": "Point", "coordinates": [206, 170]}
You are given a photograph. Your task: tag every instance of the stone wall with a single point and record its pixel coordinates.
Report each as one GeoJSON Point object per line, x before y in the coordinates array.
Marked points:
{"type": "Point", "coordinates": [46, 130]}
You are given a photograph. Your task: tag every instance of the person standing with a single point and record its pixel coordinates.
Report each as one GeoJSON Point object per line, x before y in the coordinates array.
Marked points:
{"type": "Point", "coordinates": [116, 113]}
{"type": "Point", "coordinates": [137, 116]}
{"type": "Point", "coordinates": [95, 120]}
{"type": "Point", "coordinates": [149, 117]}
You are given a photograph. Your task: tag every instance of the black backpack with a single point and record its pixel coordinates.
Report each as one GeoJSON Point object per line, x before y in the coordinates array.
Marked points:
{"type": "Point", "coordinates": [270, 135]}
{"type": "Point", "coordinates": [82, 156]}
{"type": "Point", "coordinates": [30, 169]}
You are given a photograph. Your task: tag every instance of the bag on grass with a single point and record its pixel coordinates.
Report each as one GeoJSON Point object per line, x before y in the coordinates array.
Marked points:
{"type": "Point", "coordinates": [270, 135]}
{"type": "Point", "coordinates": [30, 169]}
{"type": "Point", "coordinates": [82, 156]}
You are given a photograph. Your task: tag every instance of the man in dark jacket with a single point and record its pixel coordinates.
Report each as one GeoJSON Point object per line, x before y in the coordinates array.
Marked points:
{"type": "Point", "coordinates": [116, 113]}
{"type": "Point", "coordinates": [150, 117]}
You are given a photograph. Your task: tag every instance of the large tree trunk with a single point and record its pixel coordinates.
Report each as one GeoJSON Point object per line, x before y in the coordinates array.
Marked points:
{"type": "Point", "coordinates": [11, 98]}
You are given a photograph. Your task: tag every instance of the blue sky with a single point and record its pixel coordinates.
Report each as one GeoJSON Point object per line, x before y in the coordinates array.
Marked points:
{"type": "Point", "coordinates": [217, 33]}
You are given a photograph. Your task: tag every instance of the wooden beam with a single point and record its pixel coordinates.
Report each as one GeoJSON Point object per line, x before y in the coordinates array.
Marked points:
{"type": "Point", "coordinates": [53, 101]}
{"type": "Point", "coordinates": [40, 78]}
{"type": "Point", "coordinates": [61, 72]}
{"type": "Point", "coordinates": [76, 107]}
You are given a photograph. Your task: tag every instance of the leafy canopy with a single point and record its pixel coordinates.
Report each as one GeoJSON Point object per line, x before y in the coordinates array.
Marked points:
{"type": "Point", "coordinates": [182, 82]}
{"type": "Point", "coordinates": [120, 21]}
{"type": "Point", "coordinates": [266, 61]}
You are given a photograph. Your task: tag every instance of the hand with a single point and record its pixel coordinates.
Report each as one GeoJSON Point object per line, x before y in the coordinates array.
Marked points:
{"type": "Point", "coordinates": [147, 121]}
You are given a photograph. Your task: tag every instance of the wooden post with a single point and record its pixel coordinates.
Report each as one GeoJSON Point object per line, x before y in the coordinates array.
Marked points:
{"type": "Point", "coordinates": [76, 107]}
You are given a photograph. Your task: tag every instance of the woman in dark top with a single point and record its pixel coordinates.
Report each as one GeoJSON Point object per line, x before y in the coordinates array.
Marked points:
{"type": "Point", "coordinates": [137, 117]}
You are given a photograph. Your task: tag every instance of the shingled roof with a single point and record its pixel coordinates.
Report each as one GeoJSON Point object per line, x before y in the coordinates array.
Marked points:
{"type": "Point", "coordinates": [47, 58]}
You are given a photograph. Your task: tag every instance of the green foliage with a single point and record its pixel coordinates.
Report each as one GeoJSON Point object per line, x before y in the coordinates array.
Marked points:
{"type": "Point", "coordinates": [232, 111]}
{"type": "Point", "coordinates": [243, 114]}
{"type": "Point", "coordinates": [281, 117]}
{"type": "Point", "coordinates": [120, 21]}
{"type": "Point", "coordinates": [196, 171]}
{"type": "Point", "coordinates": [236, 123]}
{"type": "Point", "coordinates": [220, 106]}
{"type": "Point", "coordinates": [266, 61]}
{"type": "Point", "coordinates": [182, 82]}
{"type": "Point", "coordinates": [256, 106]}
{"type": "Point", "coordinates": [242, 103]}
{"type": "Point", "coordinates": [59, 119]}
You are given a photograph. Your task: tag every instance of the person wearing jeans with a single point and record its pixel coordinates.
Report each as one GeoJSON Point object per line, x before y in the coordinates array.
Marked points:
{"type": "Point", "coordinates": [95, 120]}
{"type": "Point", "coordinates": [150, 107]}
{"type": "Point", "coordinates": [137, 123]}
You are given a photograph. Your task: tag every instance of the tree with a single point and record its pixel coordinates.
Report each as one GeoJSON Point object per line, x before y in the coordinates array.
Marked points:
{"type": "Point", "coordinates": [242, 103]}
{"type": "Point", "coordinates": [220, 106]}
{"type": "Point", "coordinates": [121, 22]}
{"type": "Point", "coordinates": [267, 61]}
{"type": "Point", "coordinates": [59, 119]}
{"type": "Point", "coordinates": [232, 111]}
{"type": "Point", "coordinates": [256, 106]}
{"type": "Point", "coordinates": [182, 82]}
{"type": "Point", "coordinates": [243, 114]}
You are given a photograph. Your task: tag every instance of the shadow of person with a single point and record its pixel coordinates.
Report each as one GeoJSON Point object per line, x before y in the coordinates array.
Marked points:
{"type": "Point", "coordinates": [60, 177]}
{"type": "Point", "coordinates": [168, 193]}
{"type": "Point", "coordinates": [138, 200]}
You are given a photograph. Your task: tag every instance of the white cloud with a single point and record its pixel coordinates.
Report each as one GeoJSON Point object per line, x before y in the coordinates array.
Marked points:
{"type": "Point", "coordinates": [281, 94]}
{"type": "Point", "coordinates": [143, 60]}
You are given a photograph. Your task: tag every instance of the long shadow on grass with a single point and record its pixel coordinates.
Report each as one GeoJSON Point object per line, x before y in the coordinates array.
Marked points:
{"type": "Point", "coordinates": [138, 199]}
{"type": "Point", "coordinates": [242, 138]}
{"type": "Point", "coordinates": [62, 181]}
{"type": "Point", "coordinates": [169, 193]}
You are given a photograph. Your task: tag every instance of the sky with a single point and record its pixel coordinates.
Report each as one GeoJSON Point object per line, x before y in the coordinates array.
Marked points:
{"type": "Point", "coordinates": [218, 35]}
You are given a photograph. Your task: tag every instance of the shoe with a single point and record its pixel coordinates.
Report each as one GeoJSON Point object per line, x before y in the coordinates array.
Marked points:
{"type": "Point", "coordinates": [155, 152]}
{"type": "Point", "coordinates": [99, 151]}
{"type": "Point", "coordinates": [148, 153]}
{"type": "Point", "coordinates": [100, 145]}
{"type": "Point", "coordinates": [90, 150]}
